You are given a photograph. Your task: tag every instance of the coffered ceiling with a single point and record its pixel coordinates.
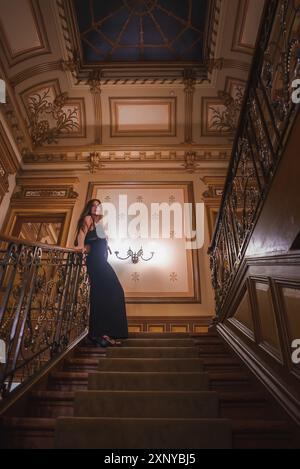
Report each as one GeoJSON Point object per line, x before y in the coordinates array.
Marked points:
{"type": "Point", "coordinates": [98, 85]}
{"type": "Point", "coordinates": [141, 30]}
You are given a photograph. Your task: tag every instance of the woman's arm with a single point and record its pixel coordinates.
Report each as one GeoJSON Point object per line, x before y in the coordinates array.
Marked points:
{"type": "Point", "coordinates": [83, 231]}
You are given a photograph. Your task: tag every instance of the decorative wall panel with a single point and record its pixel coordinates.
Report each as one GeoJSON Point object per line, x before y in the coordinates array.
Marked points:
{"type": "Point", "coordinates": [143, 117]}
{"type": "Point", "coordinates": [172, 274]}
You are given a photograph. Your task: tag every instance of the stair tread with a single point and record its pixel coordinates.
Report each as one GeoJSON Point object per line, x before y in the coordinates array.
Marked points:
{"type": "Point", "coordinates": [261, 425]}
{"type": "Point", "coordinates": [39, 422]}
{"type": "Point", "coordinates": [91, 349]}
{"type": "Point", "coordinates": [241, 396]}
{"type": "Point", "coordinates": [150, 419]}
{"type": "Point", "coordinates": [209, 341]}
{"type": "Point", "coordinates": [153, 347]}
{"type": "Point", "coordinates": [143, 432]}
{"type": "Point", "coordinates": [69, 374]}
{"type": "Point", "coordinates": [158, 339]}
{"type": "Point", "coordinates": [83, 360]}
{"type": "Point", "coordinates": [149, 380]}
{"type": "Point", "coordinates": [222, 360]}
{"type": "Point", "coordinates": [231, 388]}
{"type": "Point", "coordinates": [34, 423]}
{"type": "Point", "coordinates": [150, 372]}
{"type": "Point", "coordinates": [223, 375]}
{"type": "Point", "coordinates": [145, 391]}
{"type": "Point", "coordinates": [53, 395]}
{"type": "Point", "coordinates": [156, 359]}
{"type": "Point", "coordinates": [224, 396]}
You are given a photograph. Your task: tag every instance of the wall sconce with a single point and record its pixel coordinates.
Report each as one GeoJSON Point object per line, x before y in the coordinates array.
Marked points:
{"type": "Point", "coordinates": [135, 256]}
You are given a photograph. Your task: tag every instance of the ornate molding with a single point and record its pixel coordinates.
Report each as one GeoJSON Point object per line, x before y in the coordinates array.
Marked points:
{"type": "Point", "coordinates": [70, 65]}
{"type": "Point", "coordinates": [190, 163]}
{"type": "Point", "coordinates": [100, 159]}
{"type": "Point", "coordinates": [214, 21]}
{"type": "Point", "coordinates": [54, 193]}
{"type": "Point", "coordinates": [227, 120]}
{"type": "Point", "coordinates": [189, 81]}
{"type": "Point", "coordinates": [9, 163]}
{"type": "Point", "coordinates": [49, 189]}
{"type": "Point", "coordinates": [214, 187]}
{"type": "Point", "coordinates": [35, 70]}
{"type": "Point", "coordinates": [15, 126]}
{"type": "Point", "coordinates": [94, 162]}
{"type": "Point", "coordinates": [124, 78]}
{"type": "Point", "coordinates": [94, 82]}
{"type": "Point", "coordinates": [152, 78]}
{"type": "Point", "coordinates": [215, 64]}
{"type": "Point", "coordinates": [43, 112]}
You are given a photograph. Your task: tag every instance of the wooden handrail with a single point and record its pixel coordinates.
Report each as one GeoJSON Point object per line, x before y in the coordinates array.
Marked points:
{"type": "Point", "coordinates": [11, 239]}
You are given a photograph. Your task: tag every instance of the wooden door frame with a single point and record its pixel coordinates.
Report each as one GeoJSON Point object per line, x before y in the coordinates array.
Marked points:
{"type": "Point", "coordinates": [39, 218]}
{"type": "Point", "coordinates": [15, 212]}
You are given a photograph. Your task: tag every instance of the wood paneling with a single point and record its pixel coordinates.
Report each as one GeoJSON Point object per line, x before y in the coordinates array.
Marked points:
{"type": "Point", "coordinates": [244, 315]}
{"type": "Point", "coordinates": [272, 286]}
{"type": "Point", "coordinates": [291, 305]}
{"type": "Point", "coordinates": [268, 336]}
{"type": "Point", "coordinates": [190, 324]}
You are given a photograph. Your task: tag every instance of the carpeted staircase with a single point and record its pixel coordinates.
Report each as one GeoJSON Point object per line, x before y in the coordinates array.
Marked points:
{"type": "Point", "coordinates": [174, 391]}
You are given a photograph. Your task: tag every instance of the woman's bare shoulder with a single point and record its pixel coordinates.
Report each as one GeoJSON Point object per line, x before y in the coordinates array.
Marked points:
{"type": "Point", "coordinates": [88, 220]}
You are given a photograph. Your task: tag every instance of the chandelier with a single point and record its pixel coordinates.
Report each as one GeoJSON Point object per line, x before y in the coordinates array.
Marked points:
{"type": "Point", "coordinates": [135, 256]}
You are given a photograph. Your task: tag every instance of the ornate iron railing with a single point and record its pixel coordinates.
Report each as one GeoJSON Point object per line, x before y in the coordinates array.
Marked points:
{"type": "Point", "coordinates": [267, 116]}
{"type": "Point", "coordinates": [44, 305]}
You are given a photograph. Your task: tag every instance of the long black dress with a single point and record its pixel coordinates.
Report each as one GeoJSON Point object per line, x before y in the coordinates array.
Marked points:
{"type": "Point", "coordinates": [107, 299]}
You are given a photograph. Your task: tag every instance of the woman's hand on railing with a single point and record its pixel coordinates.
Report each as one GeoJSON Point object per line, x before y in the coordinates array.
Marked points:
{"type": "Point", "coordinates": [82, 250]}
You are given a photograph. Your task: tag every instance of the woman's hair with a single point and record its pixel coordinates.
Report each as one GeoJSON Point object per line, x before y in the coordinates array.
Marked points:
{"type": "Point", "coordinates": [85, 212]}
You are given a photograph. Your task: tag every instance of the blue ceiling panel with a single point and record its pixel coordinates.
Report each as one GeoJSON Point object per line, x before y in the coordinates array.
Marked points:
{"type": "Point", "coordinates": [113, 25]}
{"type": "Point", "coordinates": [131, 33]}
{"type": "Point", "coordinates": [141, 30]}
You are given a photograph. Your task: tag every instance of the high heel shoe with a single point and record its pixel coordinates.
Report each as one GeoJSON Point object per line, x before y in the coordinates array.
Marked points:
{"type": "Point", "coordinates": [111, 341]}
{"type": "Point", "coordinates": [103, 342]}
{"type": "Point", "coordinates": [100, 342]}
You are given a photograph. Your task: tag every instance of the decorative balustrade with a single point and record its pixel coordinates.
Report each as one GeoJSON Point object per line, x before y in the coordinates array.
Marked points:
{"type": "Point", "coordinates": [266, 119]}
{"type": "Point", "coordinates": [44, 305]}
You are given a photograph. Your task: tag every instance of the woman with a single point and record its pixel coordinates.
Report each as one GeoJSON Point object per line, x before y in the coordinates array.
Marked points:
{"type": "Point", "coordinates": [108, 319]}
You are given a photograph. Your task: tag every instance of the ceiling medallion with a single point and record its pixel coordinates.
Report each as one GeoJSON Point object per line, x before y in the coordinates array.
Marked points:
{"type": "Point", "coordinates": [140, 7]}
